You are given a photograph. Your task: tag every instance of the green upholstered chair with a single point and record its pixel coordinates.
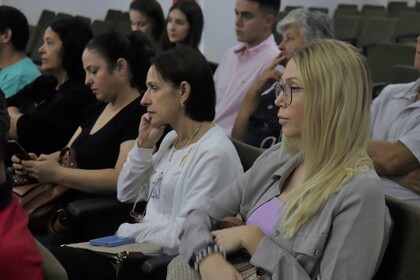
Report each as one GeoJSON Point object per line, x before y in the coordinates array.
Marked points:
{"type": "Point", "coordinates": [247, 153]}
{"type": "Point", "coordinates": [402, 256]}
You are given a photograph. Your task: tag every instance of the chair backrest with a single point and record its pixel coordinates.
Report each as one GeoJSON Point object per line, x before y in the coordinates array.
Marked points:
{"type": "Point", "coordinates": [123, 27]}
{"type": "Point", "coordinates": [346, 28]}
{"type": "Point", "coordinates": [368, 7]}
{"type": "Point", "coordinates": [45, 17]}
{"type": "Point", "coordinates": [125, 17]}
{"type": "Point", "coordinates": [372, 13]}
{"type": "Point", "coordinates": [402, 258]}
{"type": "Point", "coordinates": [53, 270]}
{"type": "Point", "coordinates": [408, 25]}
{"type": "Point", "coordinates": [383, 56]}
{"type": "Point", "coordinates": [247, 153]}
{"type": "Point", "coordinates": [395, 7]}
{"type": "Point", "coordinates": [63, 16]}
{"type": "Point", "coordinates": [34, 33]}
{"type": "Point", "coordinates": [113, 15]}
{"type": "Point", "coordinates": [402, 74]}
{"type": "Point", "coordinates": [320, 9]}
{"type": "Point", "coordinates": [102, 26]}
{"type": "Point", "coordinates": [346, 10]}
{"type": "Point", "coordinates": [86, 20]}
{"type": "Point", "coordinates": [376, 29]}
{"type": "Point", "coordinates": [35, 55]}
{"type": "Point", "coordinates": [287, 9]}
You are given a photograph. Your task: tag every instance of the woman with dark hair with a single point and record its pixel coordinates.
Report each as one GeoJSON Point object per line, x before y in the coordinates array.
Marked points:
{"type": "Point", "coordinates": [184, 25]}
{"type": "Point", "coordinates": [193, 160]}
{"type": "Point", "coordinates": [147, 16]}
{"type": "Point", "coordinates": [47, 111]}
{"type": "Point", "coordinates": [116, 67]}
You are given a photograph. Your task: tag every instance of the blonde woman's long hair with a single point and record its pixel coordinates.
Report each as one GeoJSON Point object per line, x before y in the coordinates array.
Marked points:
{"type": "Point", "coordinates": [336, 127]}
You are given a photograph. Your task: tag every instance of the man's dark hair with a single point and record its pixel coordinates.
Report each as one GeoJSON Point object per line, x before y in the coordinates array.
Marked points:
{"type": "Point", "coordinates": [268, 7]}
{"type": "Point", "coordinates": [13, 19]}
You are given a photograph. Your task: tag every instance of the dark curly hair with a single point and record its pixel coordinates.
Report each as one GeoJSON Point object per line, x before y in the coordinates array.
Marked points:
{"type": "Point", "coordinates": [74, 35]}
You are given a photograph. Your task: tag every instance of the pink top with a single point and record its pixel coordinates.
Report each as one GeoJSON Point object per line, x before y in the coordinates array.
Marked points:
{"type": "Point", "coordinates": [266, 216]}
{"type": "Point", "coordinates": [238, 70]}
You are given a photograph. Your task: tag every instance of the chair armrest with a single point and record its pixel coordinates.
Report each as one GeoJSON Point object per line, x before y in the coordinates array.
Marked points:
{"type": "Point", "coordinates": [377, 89]}
{"type": "Point", "coordinates": [98, 216]}
{"type": "Point", "coordinates": [93, 206]}
{"type": "Point", "coordinates": [152, 265]}
{"type": "Point", "coordinates": [406, 36]}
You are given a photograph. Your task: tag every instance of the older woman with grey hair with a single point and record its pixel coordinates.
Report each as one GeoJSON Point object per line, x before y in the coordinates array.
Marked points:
{"type": "Point", "coordinates": [257, 122]}
{"type": "Point", "coordinates": [301, 26]}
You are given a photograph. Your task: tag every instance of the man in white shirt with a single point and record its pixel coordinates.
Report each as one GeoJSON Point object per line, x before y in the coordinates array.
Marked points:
{"type": "Point", "coordinates": [243, 64]}
{"type": "Point", "coordinates": [395, 145]}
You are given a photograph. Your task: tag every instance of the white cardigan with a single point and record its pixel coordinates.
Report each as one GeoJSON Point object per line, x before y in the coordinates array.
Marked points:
{"type": "Point", "coordinates": [212, 165]}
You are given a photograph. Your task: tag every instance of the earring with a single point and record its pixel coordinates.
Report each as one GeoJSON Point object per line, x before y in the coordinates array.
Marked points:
{"type": "Point", "coordinates": [182, 104]}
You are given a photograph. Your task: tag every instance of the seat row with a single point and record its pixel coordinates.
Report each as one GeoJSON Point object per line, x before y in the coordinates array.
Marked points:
{"type": "Point", "coordinates": [114, 21]}
{"type": "Point", "coordinates": [392, 9]}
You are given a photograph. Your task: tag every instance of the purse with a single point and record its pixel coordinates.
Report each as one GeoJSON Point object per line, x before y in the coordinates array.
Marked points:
{"type": "Point", "coordinates": [41, 200]}
{"type": "Point", "coordinates": [121, 255]}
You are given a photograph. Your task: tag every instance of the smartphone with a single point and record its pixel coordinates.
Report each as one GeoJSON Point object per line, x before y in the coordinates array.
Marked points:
{"type": "Point", "coordinates": [18, 150]}
{"type": "Point", "coordinates": [111, 241]}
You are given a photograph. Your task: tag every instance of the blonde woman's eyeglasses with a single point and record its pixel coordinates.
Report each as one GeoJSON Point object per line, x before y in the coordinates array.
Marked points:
{"type": "Point", "coordinates": [287, 90]}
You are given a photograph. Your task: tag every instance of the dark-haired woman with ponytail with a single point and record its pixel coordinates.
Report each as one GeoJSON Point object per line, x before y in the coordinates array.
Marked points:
{"type": "Point", "coordinates": [116, 66]}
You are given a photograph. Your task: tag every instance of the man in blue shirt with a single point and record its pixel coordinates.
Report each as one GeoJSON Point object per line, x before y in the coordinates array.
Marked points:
{"type": "Point", "coordinates": [17, 69]}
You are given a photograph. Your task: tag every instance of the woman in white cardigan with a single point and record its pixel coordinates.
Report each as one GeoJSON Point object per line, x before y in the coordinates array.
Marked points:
{"type": "Point", "coordinates": [194, 162]}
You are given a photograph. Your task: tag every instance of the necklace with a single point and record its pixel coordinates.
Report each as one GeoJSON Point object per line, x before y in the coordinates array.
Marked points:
{"type": "Point", "coordinates": [188, 142]}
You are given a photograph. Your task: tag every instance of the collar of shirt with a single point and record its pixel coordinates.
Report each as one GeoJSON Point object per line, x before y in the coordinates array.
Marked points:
{"type": "Point", "coordinates": [288, 168]}
{"type": "Point", "coordinates": [242, 49]}
{"type": "Point", "coordinates": [410, 93]}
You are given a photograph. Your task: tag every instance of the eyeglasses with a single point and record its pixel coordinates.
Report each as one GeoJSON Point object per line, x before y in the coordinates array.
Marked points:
{"type": "Point", "coordinates": [287, 90]}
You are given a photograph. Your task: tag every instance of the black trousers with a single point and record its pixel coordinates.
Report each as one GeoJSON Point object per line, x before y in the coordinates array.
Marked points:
{"type": "Point", "coordinates": [86, 265]}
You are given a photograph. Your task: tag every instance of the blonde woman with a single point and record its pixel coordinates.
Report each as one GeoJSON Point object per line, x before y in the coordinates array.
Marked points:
{"type": "Point", "coordinates": [313, 205]}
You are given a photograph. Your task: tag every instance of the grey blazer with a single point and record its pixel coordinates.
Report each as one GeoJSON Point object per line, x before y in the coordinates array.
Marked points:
{"type": "Point", "coordinates": [345, 240]}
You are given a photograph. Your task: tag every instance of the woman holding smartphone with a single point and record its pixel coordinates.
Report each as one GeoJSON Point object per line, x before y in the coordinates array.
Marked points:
{"type": "Point", "coordinates": [116, 66]}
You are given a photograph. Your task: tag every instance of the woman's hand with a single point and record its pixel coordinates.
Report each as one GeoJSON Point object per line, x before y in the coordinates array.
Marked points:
{"type": "Point", "coordinates": [17, 164]}
{"type": "Point", "coordinates": [46, 169]}
{"type": "Point", "coordinates": [148, 134]}
{"type": "Point", "coordinates": [215, 267]}
{"type": "Point", "coordinates": [235, 238]}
